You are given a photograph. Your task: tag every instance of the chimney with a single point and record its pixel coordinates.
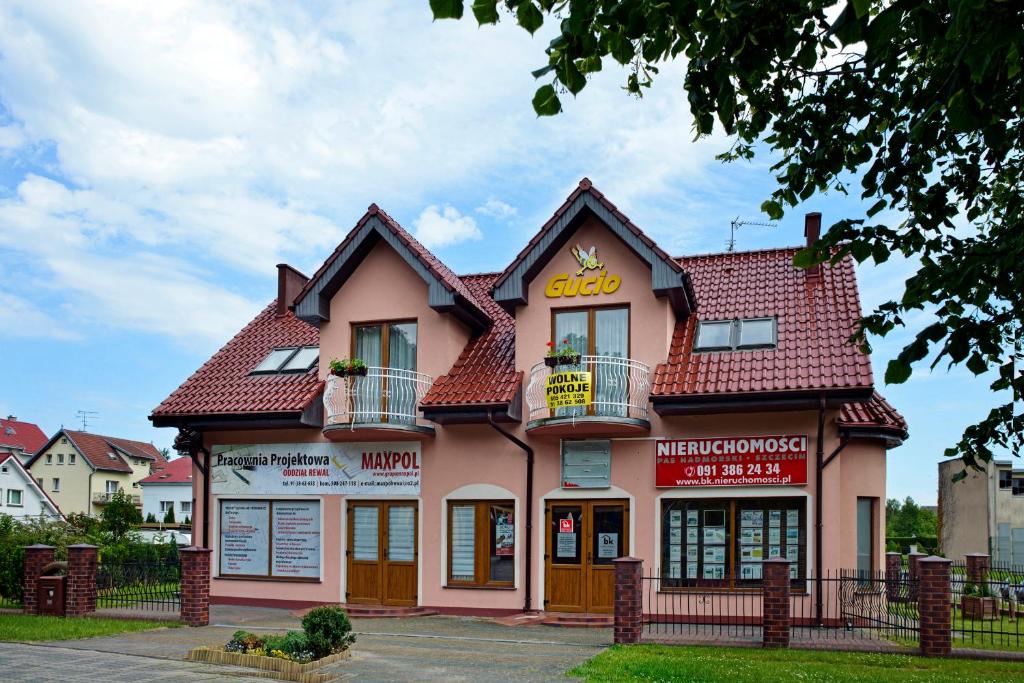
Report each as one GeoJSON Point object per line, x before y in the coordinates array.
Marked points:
{"type": "Point", "coordinates": [812, 231]}
{"type": "Point", "coordinates": [11, 418]}
{"type": "Point", "coordinates": [289, 283]}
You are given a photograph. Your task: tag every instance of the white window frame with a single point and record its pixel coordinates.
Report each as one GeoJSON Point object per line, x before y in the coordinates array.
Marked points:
{"type": "Point", "coordinates": [185, 506]}
{"type": "Point", "coordinates": [71, 458]}
{"type": "Point", "coordinates": [117, 487]}
{"type": "Point", "coordinates": [166, 505]}
{"type": "Point", "coordinates": [21, 498]}
{"type": "Point", "coordinates": [736, 335]}
{"type": "Point", "coordinates": [49, 458]}
{"type": "Point", "coordinates": [60, 458]}
{"type": "Point", "coordinates": [55, 485]}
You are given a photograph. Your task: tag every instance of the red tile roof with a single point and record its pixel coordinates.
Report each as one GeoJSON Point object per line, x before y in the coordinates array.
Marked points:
{"type": "Point", "coordinates": [815, 319]}
{"type": "Point", "coordinates": [25, 436]}
{"type": "Point", "coordinates": [177, 471]}
{"type": "Point", "coordinates": [448, 278]}
{"type": "Point", "coordinates": [98, 449]}
{"type": "Point", "coordinates": [485, 372]}
{"type": "Point", "coordinates": [224, 385]}
{"type": "Point", "coordinates": [876, 413]}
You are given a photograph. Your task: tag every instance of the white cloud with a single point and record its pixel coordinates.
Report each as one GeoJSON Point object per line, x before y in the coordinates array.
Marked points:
{"type": "Point", "coordinates": [11, 137]}
{"type": "Point", "coordinates": [495, 208]}
{"type": "Point", "coordinates": [19, 318]}
{"type": "Point", "coordinates": [442, 227]}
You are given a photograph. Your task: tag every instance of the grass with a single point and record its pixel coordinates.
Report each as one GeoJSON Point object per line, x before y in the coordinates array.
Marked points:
{"type": "Point", "coordinates": [128, 596]}
{"type": "Point", "coordinates": [25, 627]}
{"type": "Point", "coordinates": [748, 665]}
{"type": "Point", "coordinates": [992, 634]}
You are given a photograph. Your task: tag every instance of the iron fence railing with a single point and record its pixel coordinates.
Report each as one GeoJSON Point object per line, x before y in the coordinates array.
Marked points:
{"type": "Point", "coordinates": [383, 395]}
{"type": "Point", "coordinates": [851, 605]}
{"type": "Point", "coordinates": [620, 387]}
{"type": "Point", "coordinates": [140, 585]}
{"type": "Point", "coordinates": [987, 614]}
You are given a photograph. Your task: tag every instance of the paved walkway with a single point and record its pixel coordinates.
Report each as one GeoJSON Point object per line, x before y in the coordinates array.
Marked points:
{"type": "Point", "coordinates": [413, 649]}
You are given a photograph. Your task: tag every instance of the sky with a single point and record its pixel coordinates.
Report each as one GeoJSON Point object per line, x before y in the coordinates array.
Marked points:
{"type": "Point", "coordinates": [158, 159]}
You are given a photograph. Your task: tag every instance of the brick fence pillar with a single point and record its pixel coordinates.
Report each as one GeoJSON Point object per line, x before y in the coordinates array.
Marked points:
{"type": "Point", "coordinates": [775, 617]}
{"type": "Point", "coordinates": [81, 587]}
{"type": "Point", "coordinates": [893, 575]}
{"type": "Point", "coordinates": [934, 606]}
{"type": "Point", "coordinates": [195, 586]}
{"type": "Point", "coordinates": [977, 567]}
{"type": "Point", "coordinates": [915, 573]}
{"type": "Point", "coordinates": [36, 557]}
{"type": "Point", "coordinates": [629, 603]}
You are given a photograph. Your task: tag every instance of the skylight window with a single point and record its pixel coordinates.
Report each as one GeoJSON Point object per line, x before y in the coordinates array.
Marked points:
{"type": "Point", "coordinates": [288, 359]}
{"type": "Point", "coordinates": [730, 335]}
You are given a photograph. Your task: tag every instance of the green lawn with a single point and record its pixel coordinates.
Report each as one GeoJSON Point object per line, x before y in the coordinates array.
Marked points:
{"type": "Point", "coordinates": [128, 596]}
{"type": "Point", "coordinates": [749, 665]}
{"type": "Point", "coordinates": [24, 627]}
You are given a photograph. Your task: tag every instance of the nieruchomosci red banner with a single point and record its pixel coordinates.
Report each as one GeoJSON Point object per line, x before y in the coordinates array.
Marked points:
{"type": "Point", "coordinates": [731, 461]}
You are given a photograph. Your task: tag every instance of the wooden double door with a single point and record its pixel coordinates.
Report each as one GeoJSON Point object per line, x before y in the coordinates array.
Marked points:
{"type": "Point", "coordinates": [382, 553]}
{"type": "Point", "coordinates": [582, 540]}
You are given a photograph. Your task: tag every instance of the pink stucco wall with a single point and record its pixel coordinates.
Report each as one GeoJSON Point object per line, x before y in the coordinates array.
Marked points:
{"type": "Point", "coordinates": [474, 456]}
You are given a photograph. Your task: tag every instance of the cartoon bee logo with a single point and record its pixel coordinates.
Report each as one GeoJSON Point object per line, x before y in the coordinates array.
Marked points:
{"type": "Point", "coordinates": [588, 259]}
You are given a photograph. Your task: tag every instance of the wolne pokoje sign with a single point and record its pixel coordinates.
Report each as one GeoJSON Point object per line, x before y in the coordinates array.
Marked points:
{"type": "Point", "coordinates": [566, 389]}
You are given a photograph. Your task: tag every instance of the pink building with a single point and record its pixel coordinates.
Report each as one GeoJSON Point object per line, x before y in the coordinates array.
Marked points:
{"type": "Point", "coordinates": [703, 413]}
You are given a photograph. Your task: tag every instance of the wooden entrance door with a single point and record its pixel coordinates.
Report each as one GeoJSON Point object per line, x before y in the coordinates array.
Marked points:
{"type": "Point", "coordinates": [382, 553]}
{"type": "Point", "coordinates": [583, 539]}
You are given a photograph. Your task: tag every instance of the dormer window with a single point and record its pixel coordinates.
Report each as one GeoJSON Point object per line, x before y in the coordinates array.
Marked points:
{"type": "Point", "coordinates": [733, 335]}
{"type": "Point", "coordinates": [291, 359]}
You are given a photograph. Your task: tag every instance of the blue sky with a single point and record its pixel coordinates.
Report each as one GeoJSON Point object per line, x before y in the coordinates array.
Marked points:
{"type": "Point", "coordinates": [157, 161]}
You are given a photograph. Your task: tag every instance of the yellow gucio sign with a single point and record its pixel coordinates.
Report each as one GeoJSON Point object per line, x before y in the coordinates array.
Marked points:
{"type": "Point", "coordinates": [565, 389]}
{"type": "Point", "coordinates": [563, 285]}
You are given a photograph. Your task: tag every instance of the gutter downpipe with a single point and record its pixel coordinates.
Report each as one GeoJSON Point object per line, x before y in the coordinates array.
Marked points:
{"type": "Point", "coordinates": [818, 526]}
{"type": "Point", "coordinates": [528, 579]}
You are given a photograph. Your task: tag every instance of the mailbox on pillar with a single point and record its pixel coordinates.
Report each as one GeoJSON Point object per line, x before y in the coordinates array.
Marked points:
{"type": "Point", "coordinates": [51, 595]}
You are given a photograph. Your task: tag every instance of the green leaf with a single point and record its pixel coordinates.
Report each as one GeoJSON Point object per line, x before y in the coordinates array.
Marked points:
{"type": "Point", "coordinates": [570, 76]}
{"type": "Point", "coordinates": [977, 364]}
{"type": "Point", "coordinates": [485, 11]}
{"type": "Point", "coordinates": [545, 101]}
{"type": "Point", "coordinates": [446, 9]}
{"type": "Point", "coordinates": [772, 208]}
{"type": "Point", "coordinates": [876, 207]}
{"type": "Point", "coordinates": [529, 17]}
{"type": "Point", "coordinates": [897, 372]}
{"type": "Point", "coordinates": [805, 258]}
{"type": "Point", "coordinates": [861, 7]}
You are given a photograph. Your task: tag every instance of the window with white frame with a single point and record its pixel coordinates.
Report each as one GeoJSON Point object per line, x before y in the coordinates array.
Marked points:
{"type": "Point", "coordinates": [56, 485]}
{"type": "Point", "coordinates": [14, 498]}
{"type": "Point", "coordinates": [71, 459]}
{"type": "Point", "coordinates": [735, 335]}
{"type": "Point", "coordinates": [166, 505]}
{"type": "Point", "coordinates": [60, 458]}
{"type": "Point", "coordinates": [481, 543]}
{"type": "Point", "coordinates": [49, 458]}
{"type": "Point", "coordinates": [186, 507]}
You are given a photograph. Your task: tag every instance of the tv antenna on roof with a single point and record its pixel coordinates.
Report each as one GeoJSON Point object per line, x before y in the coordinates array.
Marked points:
{"type": "Point", "coordinates": [738, 223]}
{"type": "Point", "coordinates": [85, 416]}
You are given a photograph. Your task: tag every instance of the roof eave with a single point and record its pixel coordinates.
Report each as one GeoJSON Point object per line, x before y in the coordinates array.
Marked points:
{"type": "Point", "coordinates": [702, 404]}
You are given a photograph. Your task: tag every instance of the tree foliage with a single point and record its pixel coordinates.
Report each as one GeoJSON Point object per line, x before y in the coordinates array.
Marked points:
{"type": "Point", "coordinates": [908, 519]}
{"type": "Point", "coordinates": [120, 515]}
{"type": "Point", "coordinates": [917, 101]}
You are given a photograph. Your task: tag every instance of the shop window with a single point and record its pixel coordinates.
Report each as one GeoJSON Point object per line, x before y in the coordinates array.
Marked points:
{"type": "Point", "coordinates": [721, 543]}
{"type": "Point", "coordinates": [270, 539]}
{"type": "Point", "coordinates": [866, 516]}
{"type": "Point", "coordinates": [14, 498]}
{"type": "Point", "coordinates": [1005, 479]}
{"type": "Point", "coordinates": [481, 543]}
{"type": "Point", "coordinates": [729, 335]}
{"type": "Point", "coordinates": [288, 359]}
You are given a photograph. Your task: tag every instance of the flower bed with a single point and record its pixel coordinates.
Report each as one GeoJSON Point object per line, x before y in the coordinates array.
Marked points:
{"type": "Point", "coordinates": [296, 655]}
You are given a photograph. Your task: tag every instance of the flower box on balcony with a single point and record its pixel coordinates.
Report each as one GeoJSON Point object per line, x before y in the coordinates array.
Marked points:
{"type": "Point", "coordinates": [978, 607]}
{"type": "Point", "coordinates": [555, 361]}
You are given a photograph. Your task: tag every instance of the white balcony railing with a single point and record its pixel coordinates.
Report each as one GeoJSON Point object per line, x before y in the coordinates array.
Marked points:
{"type": "Point", "coordinates": [621, 389]}
{"type": "Point", "coordinates": [383, 395]}
{"type": "Point", "coordinates": [103, 498]}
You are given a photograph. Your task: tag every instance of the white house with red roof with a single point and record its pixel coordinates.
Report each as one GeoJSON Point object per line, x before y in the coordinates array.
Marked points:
{"type": "Point", "coordinates": [505, 436]}
{"type": "Point", "coordinates": [21, 496]}
{"type": "Point", "coordinates": [81, 471]}
{"type": "Point", "coordinates": [168, 488]}
{"type": "Point", "coordinates": [19, 438]}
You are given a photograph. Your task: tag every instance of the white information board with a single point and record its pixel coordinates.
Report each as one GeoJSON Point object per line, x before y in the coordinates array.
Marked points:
{"type": "Point", "coordinates": [244, 537]}
{"type": "Point", "coordinates": [296, 539]}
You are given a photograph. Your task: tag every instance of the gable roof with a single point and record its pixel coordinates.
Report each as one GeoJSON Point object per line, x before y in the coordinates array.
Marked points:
{"type": "Point", "coordinates": [26, 436]}
{"type": "Point", "coordinates": [873, 418]}
{"type": "Point", "coordinates": [105, 452]}
{"type": "Point", "coordinates": [485, 372]}
{"type": "Point", "coordinates": [177, 471]}
{"type": "Point", "coordinates": [44, 497]}
{"type": "Point", "coordinates": [668, 276]}
{"type": "Point", "coordinates": [446, 292]}
{"type": "Point", "coordinates": [224, 384]}
{"type": "Point", "coordinates": [814, 318]}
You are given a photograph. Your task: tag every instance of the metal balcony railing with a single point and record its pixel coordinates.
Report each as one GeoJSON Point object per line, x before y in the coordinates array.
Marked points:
{"type": "Point", "coordinates": [383, 395]}
{"type": "Point", "coordinates": [104, 498]}
{"type": "Point", "coordinates": [621, 389]}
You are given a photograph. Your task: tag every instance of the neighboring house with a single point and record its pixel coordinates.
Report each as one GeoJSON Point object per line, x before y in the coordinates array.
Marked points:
{"type": "Point", "coordinates": [984, 512]}
{"type": "Point", "coordinates": [20, 439]}
{"type": "Point", "coordinates": [169, 488]}
{"type": "Point", "coordinates": [81, 471]}
{"type": "Point", "coordinates": [20, 495]}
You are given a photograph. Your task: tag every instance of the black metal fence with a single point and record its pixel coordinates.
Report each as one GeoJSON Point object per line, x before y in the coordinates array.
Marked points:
{"type": "Point", "coordinates": [988, 614]}
{"type": "Point", "coordinates": [843, 604]}
{"type": "Point", "coordinates": [10, 602]}
{"type": "Point", "coordinates": [153, 585]}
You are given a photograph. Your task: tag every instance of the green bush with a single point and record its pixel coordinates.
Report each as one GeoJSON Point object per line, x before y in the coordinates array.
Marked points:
{"type": "Point", "coordinates": [169, 516]}
{"type": "Point", "coordinates": [150, 518]}
{"type": "Point", "coordinates": [327, 630]}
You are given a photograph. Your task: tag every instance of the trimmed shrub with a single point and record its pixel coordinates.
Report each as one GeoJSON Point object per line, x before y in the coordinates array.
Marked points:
{"type": "Point", "coordinates": [327, 630]}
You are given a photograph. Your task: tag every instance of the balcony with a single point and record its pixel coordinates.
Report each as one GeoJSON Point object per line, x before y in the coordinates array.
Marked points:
{"type": "Point", "coordinates": [620, 392]}
{"type": "Point", "coordinates": [380, 406]}
{"type": "Point", "coordinates": [104, 498]}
